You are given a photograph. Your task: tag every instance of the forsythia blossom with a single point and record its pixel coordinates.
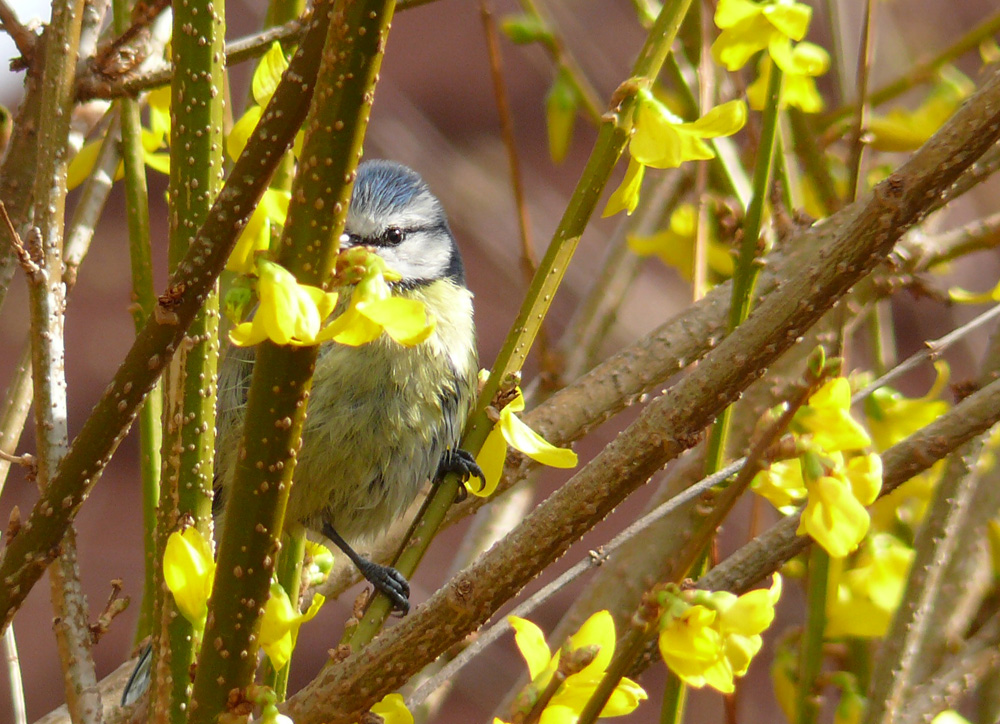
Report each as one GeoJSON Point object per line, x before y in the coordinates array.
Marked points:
{"type": "Point", "coordinates": [509, 430]}
{"type": "Point", "coordinates": [827, 418]}
{"type": "Point", "coordinates": [662, 140]}
{"type": "Point", "coordinates": [866, 596]}
{"type": "Point", "coordinates": [289, 312]}
{"type": "Point", "coordinates": [675, 245]}
{"type": "Point", "coordinates": [373, 309]}
{"type": "Point", "coordinates": [596, 637]}
{"type": "Point", "coordinates": [835, 514]}
{"type": "Point", "coordinates": [279, 627]}
{"type": "Point", "coordinates": [709, 638]}
{"type": "Point", "coordinates": [749, 27]}
{"type": "Point", "coordinates": [188, 571]}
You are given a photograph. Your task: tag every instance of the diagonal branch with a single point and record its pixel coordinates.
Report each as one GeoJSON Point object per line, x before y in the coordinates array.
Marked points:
{"type": "Point", "coordinates": [857, 238]}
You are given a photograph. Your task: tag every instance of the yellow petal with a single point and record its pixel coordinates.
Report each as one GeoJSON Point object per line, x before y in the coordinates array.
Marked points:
{"type": "Point", "coordinates": [598, 630]}
{"type": "Point", "coordinates": [242, 129]}
{"type": "Point", "coordinates": [833, 517]}
{"type": "Point", "coordinates": [523, 438]}
{"type": "Point", "coordinates": [491, 458]}
{"type": "Point", "coordinates": [791, 19]}
{"type": "Point", "coordinates": [531, 643]}
{"type": "Point", "coordinates": [82, 164]}
{"type": "Point", "coordinates": [723, 120]}
{"type": "Point", "coordinates": [268, 74]}
{"type": "Point", "coordinates": [393, 710]}
{"type": "Point", "coordinates": [626, 196]}
{"type": "Point", "coordinates": [188, 571]}
{"type": "Point", "coordinates": [405, 320]}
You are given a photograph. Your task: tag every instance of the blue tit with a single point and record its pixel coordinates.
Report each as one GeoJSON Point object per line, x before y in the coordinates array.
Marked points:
{"type": "Point", "coordinates": [382, 418]}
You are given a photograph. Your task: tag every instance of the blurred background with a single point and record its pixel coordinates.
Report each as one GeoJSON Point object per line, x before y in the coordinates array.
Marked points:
{"type": "Point", "coordinates": [435, 111]}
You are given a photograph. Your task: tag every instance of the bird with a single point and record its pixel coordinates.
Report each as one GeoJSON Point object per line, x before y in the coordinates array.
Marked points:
{"type": "Point", "coordinates": [382, 418]}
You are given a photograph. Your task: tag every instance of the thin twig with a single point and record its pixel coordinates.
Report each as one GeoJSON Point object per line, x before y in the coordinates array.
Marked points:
{"type": "Point", "coordinates": [23, 38]}
{"type": "Point", "coordinates": [14, 677]}
{"type": "Point", "coordinates": [252, 46]}
{"type": "Point", "coordinates": [29, 265]}
{"type": "Point", "coordinates": [932, 350]}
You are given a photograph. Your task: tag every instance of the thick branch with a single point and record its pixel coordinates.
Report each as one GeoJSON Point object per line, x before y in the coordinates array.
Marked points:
{"type": "Point", "coordinates": [858, 238]}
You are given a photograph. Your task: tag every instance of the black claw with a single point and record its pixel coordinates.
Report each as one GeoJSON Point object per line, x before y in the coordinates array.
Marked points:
{"type": "Point", "coordinates": [389, 581]}
{"type": "Point", "coordinates": [462, 463]}
{"type": "Point", "coordinates": [386, 579]}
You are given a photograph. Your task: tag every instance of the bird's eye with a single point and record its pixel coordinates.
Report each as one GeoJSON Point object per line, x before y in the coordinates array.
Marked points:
{"type": "Point", "coordinates": [393, 235]}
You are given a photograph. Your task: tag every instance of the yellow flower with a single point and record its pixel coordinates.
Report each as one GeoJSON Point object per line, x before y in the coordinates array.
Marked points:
{"type": "Point", "coordinates": [713, 641]}
{"type": "Point", "coordinates": [289, 312]}
{"type": "Point", "coordinates": [188, 571]}
{"type": "Point", "coordinates": [675, 245]}
{"type": "Point", "coordinates": [374, 310]}
{"type": "Point", "coordinates": [256, 236]}
{"type": "Point", "coordinates": [279, 627]}
{"type": "Point", "coordinates": [662, 140]}
{"type": "Point", "coordinates": [864, 598]}
{"type": "Point", "coordinates": [782, 485]}
{"type": "Point", "coordinates": [596, 634]}
{"type": "Point", "coordinates": [799, 66]}
{"type": "Point", "coordinates": [510, 430]}
{"type": "Point", "coordinates": [835, 514]}
{"type": "Point", "coordinates": [827, 416]}
{"type": "Point", "coordinates": [893, 417]}
{"type": "Point", "coordinates": [393, 710]}
{"type": "Point", "coordinates": [748, 27]}
{"type": "Point", "coordinates": [154, 138]}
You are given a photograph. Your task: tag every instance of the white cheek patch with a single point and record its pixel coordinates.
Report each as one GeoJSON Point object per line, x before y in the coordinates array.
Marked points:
{"type": "Point", "coordinates": [422, 255]}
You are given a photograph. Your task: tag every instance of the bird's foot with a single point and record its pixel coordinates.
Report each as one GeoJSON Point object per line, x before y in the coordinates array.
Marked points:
{"type": "Point", "coordinates": [462, 463]}
{"type": "Point", "coordinates": [386, 579]}
{"type": "Point", "coordinates": [389, 581]}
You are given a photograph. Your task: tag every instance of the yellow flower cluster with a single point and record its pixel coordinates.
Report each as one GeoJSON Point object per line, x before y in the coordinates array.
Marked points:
{"type": "Point", "coordinates": [836, 488]}
{"type": "Point", "coordinates": [709, 638]}
{"type": "Point", "coordinates": [279, 627]}
{"type": "Point", "coordinates": [595, 639]}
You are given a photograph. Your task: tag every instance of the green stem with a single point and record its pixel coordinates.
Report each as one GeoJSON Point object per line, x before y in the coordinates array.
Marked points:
{"type": "Point", "coordinates": [189, 387]}
{"type": "Point", "coordinates": [747, 264]}
{"type": "Point", "coordinates": [811, 646]}
{"type": "Point", "coordinates": [611, 139]}
{"type": "Point", "coordinates": [140, 253]}
{"type": "Point", "coordinates": [674, 700]}
{"type": "Point", "coordinates": [282, 375]}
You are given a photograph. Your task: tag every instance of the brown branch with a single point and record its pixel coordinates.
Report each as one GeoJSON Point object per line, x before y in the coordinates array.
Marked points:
{"type": "Point", "coordinates": [857, 238]}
